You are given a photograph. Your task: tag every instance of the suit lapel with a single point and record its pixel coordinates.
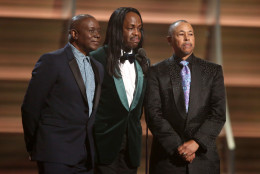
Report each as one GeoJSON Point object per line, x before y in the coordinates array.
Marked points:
{"type": "Point", "coordinates": [176, 80]}
{"type": "Point", "coordinates": [120, 87]}
{"type": "Point", "coordinates": [195, 88]}
{"type": "Point", "coordinates": [98, 84]}
{"type": "Point", "coordinates": [138, 87]}
{"type": "Point", "coordinates": [76, 72]}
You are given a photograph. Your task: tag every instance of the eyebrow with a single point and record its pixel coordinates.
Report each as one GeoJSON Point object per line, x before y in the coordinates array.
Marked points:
{"type": "Point", "coordinates": [134, 24]}
{"type": "Point", "coordinates": [184, 31]}
{"type": "Point", "coordinates": [94, 27]}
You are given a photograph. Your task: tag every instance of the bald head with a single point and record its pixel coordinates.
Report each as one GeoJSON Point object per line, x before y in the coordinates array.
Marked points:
{"type": "Point", "coordinates": [84, 33]}
{"type": "Point", "coordinates": [173, 26]}
{"type": "Point", "coordinates": [76, 21]}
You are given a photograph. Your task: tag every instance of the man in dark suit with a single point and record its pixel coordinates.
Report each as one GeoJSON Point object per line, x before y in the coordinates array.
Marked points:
{"type": "Point", "coordinates": [185, 108]}
{"type": "Point", "coordinates": [59, 107]}
{"type": "Point", "coordinates": [117, 128]}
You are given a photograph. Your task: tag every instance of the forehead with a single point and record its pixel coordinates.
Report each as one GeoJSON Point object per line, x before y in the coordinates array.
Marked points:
{"type": "Point", "coordinates": [183, 26]}
{"type": "Point", "coordinates": [88, 22]}
{"type": "Point", "coordinates": [132, 18]}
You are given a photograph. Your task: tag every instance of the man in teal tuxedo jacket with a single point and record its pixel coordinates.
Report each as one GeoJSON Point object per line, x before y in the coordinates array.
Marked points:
{"type": "Point", "coordinates": [117, 128]}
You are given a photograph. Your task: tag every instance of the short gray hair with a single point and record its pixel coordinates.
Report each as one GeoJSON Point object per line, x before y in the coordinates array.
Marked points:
{"type": "Point", "coordinates": [173, 25]}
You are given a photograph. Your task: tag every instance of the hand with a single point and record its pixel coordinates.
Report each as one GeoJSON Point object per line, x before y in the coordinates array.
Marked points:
{"type": "Point", "coordinates": [189, 158]}
{"type": "Point", "coordinates": [188, 149]}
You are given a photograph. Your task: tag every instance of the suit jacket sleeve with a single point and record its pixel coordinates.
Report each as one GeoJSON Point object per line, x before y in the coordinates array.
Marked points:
{"type": "Point", "coordinates": [43, 77]}
{"type": "Point", "coordinates": [159, 126]}
{"type": "Point", "coordinates": [211, 127]}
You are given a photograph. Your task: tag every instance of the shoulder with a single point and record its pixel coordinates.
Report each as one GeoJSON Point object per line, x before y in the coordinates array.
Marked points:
{"type": "Point", "coordinates": [207, 66]}
{"type": "Point", "coordinates": [205, 63]}
{"type": "Point", "coordinates": [100, 54]}
{"type": "Point", "coordinates": [99, 67]}
{"type": "Point", "coordinates": [159, 67]}
{"type": "Point", "coordinates": [97, 63]}
{"type": "Point", "coordinates": [162, 64]}
{"type": "Point", "coordinates": [54, 55]}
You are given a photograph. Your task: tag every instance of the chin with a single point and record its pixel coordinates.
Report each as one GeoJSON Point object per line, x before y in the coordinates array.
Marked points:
{"type": "Point", "coordinates": [187, 52]}
{"type": "Point", "coordinates": [94, 48]}
{"type": "Point", "coordinates": [134, 45]}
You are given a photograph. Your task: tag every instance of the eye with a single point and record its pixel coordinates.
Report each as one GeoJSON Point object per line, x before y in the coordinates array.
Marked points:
{"type": "Point", "coordinates": [91, 31]}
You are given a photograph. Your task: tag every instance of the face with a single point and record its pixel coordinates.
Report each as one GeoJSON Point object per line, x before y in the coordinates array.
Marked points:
{"type": "Point", "coordinates": [87, 36]}
{"type": "Point", "coordinates": [182, 39]}
{"type": "Point", "coordinates": [132, 30]}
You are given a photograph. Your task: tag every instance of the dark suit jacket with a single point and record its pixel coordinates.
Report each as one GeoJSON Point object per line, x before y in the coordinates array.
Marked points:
{"type": "Point", "coordinates": [114, 118]}
{"type": "Point", "coordinates": [57, 126]}
{"type": "Point", "coordinates": [171, 126]}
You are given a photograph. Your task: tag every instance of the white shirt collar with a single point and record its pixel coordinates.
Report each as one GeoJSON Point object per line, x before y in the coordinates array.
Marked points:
{"type": "Point", "coordinates": [122, 52]}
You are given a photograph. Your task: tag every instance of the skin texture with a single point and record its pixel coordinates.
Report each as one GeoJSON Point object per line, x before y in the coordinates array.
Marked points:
{"type": "Point", "coordinates": [182, 39]}
{"type": "Point", "coordinates": [188, 149]}
{"type": "Point", "coordinates": [132, 30]}
{"type": "Point", "coordinates": [86, 35]}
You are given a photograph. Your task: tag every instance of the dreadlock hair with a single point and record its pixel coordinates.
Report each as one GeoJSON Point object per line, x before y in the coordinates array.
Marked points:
{"type": "Point", "coordinates": [114, 38]}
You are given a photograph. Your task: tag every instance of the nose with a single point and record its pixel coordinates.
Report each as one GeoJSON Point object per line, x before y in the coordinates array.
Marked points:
{"type": "Point", "coordinates": [97, 34]}
{"type": "Point", "coordinates": [136, 31]}
{"type": "Point", "coordinates": [186, 36]}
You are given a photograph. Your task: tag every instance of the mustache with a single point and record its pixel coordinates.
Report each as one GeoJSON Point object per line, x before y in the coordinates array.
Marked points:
{"type": "Point", "coordinates": [95, 40]}
{"type": "Point", "coordinates": [187, 43]}
{"type": "Point", "coordinates": [135, 37]}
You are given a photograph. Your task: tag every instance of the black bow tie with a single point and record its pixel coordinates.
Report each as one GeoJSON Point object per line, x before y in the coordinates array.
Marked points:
{"type": "Point", "coordinates": [129, 57]}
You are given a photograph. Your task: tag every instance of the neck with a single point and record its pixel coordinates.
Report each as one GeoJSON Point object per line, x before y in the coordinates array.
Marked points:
{"type": "Point", "coordinates": [127, 49]}
{"type": "Point", "coordinates": [184, 57]}
{"type": "Point", "coordinates": [82, 50]}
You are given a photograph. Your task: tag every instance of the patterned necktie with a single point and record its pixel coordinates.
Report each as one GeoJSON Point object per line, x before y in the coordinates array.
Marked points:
{"type": "Point", "coordinates": [186, 79]}
{"type": "Point", "coordinates": [89, 83]}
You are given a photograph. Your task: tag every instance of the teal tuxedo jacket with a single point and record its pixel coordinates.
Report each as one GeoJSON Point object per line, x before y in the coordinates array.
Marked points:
{"type": "Point", "coordinates": [114, 117]}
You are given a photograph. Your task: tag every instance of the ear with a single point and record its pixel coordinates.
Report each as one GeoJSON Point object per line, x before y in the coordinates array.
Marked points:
{"type": "Point", "coordinates": [74, 34]}
{"type": "Point", "coordinates": [169, 39]}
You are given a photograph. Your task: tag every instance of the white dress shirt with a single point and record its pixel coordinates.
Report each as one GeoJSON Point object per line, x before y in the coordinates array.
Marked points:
{"type": "Point", "coordinates": [129, 76]}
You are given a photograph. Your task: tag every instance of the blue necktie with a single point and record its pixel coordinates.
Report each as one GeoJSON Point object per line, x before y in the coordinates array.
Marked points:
{"type": "Point", "coordinates": [186, 79]}
{"type": "Point", "coordinates": [89, 81]}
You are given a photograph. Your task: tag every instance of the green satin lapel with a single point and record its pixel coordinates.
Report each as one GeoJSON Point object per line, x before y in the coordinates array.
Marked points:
{"type": "Point", "coordinates": [120, 87]}
{"type": "Point", "coordinates": [138, 87]}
